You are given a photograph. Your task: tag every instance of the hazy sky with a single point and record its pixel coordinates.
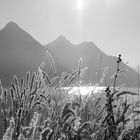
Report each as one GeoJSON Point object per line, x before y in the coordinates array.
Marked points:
{"type": "Point", "coordinates": [113, 25]}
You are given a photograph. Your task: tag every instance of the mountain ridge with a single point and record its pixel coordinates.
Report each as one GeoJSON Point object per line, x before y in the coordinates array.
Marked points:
{"type": "Point", "coordinates": [20, 52]}
{"type": "Point", "coordinates": [93, 57]}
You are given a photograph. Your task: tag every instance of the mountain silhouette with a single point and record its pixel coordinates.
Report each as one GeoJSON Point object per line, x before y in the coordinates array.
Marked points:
{"type": "Point", "coordinates": [96, 61]}
{"type": "Point", "coordinates": [19, 53]}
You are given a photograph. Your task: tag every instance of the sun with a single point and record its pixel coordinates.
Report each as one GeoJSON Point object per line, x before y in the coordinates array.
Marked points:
{"type": "Point", "coordinates": [80, 5]}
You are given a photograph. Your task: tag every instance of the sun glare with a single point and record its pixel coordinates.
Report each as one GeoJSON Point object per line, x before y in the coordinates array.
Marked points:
{"type": "Point", "coordinates": [80, 5]}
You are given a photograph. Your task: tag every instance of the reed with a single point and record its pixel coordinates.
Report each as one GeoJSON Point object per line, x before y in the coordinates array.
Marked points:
{"type": "Point", "coordinates": [39, 109]}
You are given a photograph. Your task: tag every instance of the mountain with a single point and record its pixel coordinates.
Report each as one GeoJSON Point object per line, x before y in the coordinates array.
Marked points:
{"type": "Point", "coordinates": [93, 58]}
{"type": "Point", "coordinates": [19, 53]}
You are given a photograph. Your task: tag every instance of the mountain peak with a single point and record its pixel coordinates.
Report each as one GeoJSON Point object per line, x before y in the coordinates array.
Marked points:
{"type": "Point", "coordinates": [11, 25]}
{"type": "Point", "coordinates": [62, 38]}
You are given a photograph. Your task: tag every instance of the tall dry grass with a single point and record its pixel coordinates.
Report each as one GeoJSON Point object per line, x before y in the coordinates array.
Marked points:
{"type": "Point", "coordinates": [39, 109]}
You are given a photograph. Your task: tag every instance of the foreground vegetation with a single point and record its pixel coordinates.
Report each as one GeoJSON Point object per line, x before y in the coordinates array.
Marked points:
{"type": "Point", "coordinates": [36, 108]}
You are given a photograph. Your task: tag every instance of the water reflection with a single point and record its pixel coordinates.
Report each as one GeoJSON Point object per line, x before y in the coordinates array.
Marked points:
{"type": "Point", "coordinates": [84, 90]}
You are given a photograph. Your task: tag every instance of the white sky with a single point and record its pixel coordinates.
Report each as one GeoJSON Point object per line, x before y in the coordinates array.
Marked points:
{"type": "Point", "coordinates": [113, 25]}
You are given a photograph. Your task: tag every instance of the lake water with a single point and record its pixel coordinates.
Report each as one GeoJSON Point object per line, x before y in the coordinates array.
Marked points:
{"type": "Point", "coordinates": [83, 90]}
